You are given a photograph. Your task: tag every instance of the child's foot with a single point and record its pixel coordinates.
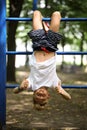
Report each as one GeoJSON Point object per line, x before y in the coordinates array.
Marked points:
{"type": "Point", "coordinates": [22, 87]}
{"type": "Point", "coordinates": [64, 93]}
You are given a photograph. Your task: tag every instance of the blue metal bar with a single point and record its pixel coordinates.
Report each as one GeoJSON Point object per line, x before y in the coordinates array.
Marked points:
{"type": "Point", "coordinates": [44, 19]}
{"type": "Point", "coordinates": [2, 63]}
{"type": "Point", "coordinates": [58, 53]}
{"type": "Point", "coordinates": [11, 85]}
{"type": "Point", "coordinates": [64, 86]}
{"type": "Point", "coordinates": [72, 53]}
{"type": "Point", "coordinates": [18, 53]}
{"type": "Point", "coordinates": [75, 86]}
{"type": "Point", "coordinates": [35, 4]}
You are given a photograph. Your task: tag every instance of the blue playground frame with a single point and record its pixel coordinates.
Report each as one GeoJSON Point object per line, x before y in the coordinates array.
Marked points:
{"type": "Point", "coordinates": [2, 63]}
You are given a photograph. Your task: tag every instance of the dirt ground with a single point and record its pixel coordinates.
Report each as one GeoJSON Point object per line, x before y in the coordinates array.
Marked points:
{"type": "Point", "coordinates": [59, 114]}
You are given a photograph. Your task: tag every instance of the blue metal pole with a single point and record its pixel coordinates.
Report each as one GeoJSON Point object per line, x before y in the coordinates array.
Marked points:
{"type": "Point", "coordinates": [64, 86]}
{"type": "Point", "coordinates": [2, 64]}
{"type": "Point", "coordinates": [45, 19]}
{"type": "Point", "coordinates": [35, 4]}
{"type": "Point", "coordinates": [58, 53]}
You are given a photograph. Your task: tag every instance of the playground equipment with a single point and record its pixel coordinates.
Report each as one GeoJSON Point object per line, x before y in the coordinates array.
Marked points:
{"type": "Point", "coordinates": [3, 54]}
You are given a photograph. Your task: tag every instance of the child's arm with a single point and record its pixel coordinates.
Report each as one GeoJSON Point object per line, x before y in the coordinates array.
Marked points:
{"type": "Point", "coordinates": [24, 85]}
{"type": "Point", "coordinates": [62, 92]}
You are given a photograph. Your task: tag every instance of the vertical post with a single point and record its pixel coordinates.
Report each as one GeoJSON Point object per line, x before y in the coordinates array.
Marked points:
{"type": "Point", "coordinates": [35, 4]}
{"type": "Point", "coordinates": [2, 64]}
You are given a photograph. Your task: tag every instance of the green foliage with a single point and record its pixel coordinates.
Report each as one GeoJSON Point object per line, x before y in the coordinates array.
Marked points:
{"type": "Point", "coordinates": [68, 8]}
{"type": "Point", "coordinates": [7, 7]}
{"type": "Point", "coordinates": [25, 27]}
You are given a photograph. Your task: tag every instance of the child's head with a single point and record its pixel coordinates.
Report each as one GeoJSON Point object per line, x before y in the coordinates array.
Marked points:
{"type": "Point", "coordinates": [40, 98]}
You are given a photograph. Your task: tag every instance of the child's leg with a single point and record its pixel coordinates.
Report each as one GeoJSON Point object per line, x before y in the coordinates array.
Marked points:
{"type": "Point", "coordinates": [61, 91]}
{"type": "Point", "coordinates": [37, 20]}
{"type": "Point", "coordinates": [24, 85]}
{"type": "Point", "coordinates": [55, 21]}
{"type": "Point", "coordinates": [37, 24]}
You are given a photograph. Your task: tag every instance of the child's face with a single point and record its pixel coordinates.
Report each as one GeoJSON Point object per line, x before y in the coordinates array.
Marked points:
{"type": "Point", "coordinates": [40, 98]}
{"type": "Point", "coordinates": [41, 95]}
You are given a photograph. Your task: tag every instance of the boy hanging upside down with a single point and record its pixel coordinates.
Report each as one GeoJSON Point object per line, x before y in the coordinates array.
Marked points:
{"type": "Point", "coordinates": [43, 60]}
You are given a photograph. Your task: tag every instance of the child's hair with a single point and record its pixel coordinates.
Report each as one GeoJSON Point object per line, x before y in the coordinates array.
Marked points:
{"type": "Point", "coordinates": [40, 98]}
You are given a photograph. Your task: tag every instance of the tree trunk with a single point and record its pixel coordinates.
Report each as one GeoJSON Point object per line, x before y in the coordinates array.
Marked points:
{"type": "Point", "coordinates": [81, 48]}
{"type": "Point", "coordinates": [14, 11]}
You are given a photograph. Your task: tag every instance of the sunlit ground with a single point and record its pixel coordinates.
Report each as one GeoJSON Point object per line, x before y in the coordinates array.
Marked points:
{"type": "Point", "coordinates": [59, 113]}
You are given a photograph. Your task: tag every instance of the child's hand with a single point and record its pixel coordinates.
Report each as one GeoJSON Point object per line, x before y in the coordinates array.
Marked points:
{"type": "Point", "coordinates": [24, 84]}
{"type": "Point", "coordinates": [62, 92]}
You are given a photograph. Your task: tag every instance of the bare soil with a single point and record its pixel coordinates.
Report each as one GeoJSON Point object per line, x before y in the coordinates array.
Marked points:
{"type": "Point", "coordinates": [59, 114]}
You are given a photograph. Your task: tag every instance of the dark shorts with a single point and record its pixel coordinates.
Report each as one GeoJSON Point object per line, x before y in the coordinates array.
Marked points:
{"type": "Point", "coordinates": [47, 40]}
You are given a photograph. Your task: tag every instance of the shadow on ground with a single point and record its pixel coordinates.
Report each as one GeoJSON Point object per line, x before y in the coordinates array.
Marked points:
{"type": "Point", "coordinates": [59, 114]}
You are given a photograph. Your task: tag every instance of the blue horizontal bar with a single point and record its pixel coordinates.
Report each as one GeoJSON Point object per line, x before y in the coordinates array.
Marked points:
{"type": "Point", "coordinates": [44, 19]}
{"type": "Point", "coordinates": [58, 53]}
{"type": "Point", "coordinates": [18, 53]}
{"type": "Point", "coordinates": [11, 85]}
{"type": "Point", "coordinates": [64, 86]}
{"type": "Point", "coordinates": [72, 53]}
{"type": "Point", "coordinates": [18, 19]}
{"type": "Point", "coordinates": [75, 86]}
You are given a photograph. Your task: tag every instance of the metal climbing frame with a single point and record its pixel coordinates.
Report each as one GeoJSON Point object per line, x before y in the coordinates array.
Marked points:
{"type": "Point", "coordinates": [58, 53]}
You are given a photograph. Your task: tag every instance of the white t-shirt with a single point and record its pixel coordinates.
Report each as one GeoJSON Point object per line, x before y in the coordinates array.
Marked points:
{"type": "Point", "coordinates": [42, 73]}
